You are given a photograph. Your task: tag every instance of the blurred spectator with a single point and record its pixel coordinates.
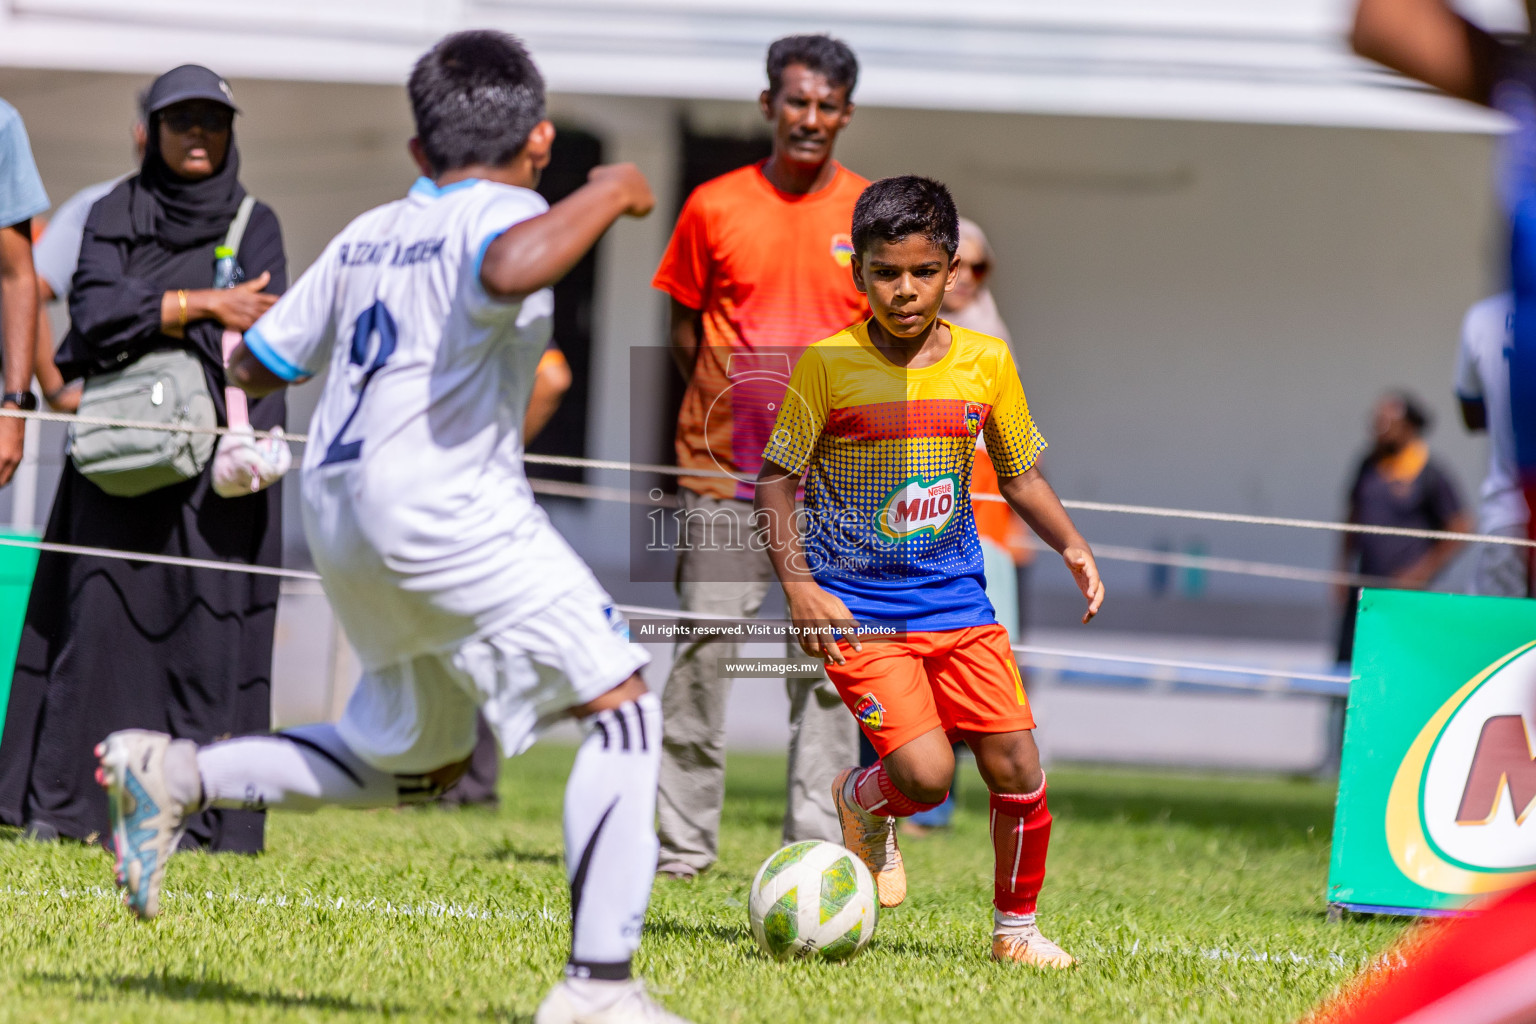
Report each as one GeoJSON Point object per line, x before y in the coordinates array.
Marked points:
{"type": "Point", "coordinates": [56, 254]}
{"type": "Point", "coordinates": [1432, 41]}
{"type": "Point", "coordinates": [970, 303]}
{"type": "Point", "coordinates": [551, 381]}
{"type": "Point", "coordinates": [757, 269]}
{"type": "Point", "coordinates": [477, 786]}
{"type": "Point", "coordinates": [21, 198]}
{"type": "Point", "coordinates": [1004, 538]}
{"type": "Point", "coordinates": [1482, 385]}
{"type": "Point", "coordinates": [110, 644]}
{"type": "Point", "coordinates": [1398, 484]}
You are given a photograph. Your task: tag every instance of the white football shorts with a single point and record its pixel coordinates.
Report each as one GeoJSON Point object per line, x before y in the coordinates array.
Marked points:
{"type": "Point", "coordinates": [418, 715]}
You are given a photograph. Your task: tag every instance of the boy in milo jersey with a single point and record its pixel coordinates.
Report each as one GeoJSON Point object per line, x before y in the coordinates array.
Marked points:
{"type": "Point", "coordinates": [883, 570]}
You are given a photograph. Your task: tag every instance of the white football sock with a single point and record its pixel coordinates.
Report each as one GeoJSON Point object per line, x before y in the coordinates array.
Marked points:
{"type": "Point", "coordinates": [182, 780]}
{"type": "Point", "coordinates": [590, 995]}
{"type": "Point", "coordinates": [1002, 922]}
{"type": "Point", "coordinates": [298, 770]}
{"type": "Point", "coordinates": [610, 836]}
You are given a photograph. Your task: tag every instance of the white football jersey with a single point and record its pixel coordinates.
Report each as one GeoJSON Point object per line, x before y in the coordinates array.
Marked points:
{"type": "Point", "coordinates": [416, 508]}
{"type": "Point", "coordinates": [1482, 373]}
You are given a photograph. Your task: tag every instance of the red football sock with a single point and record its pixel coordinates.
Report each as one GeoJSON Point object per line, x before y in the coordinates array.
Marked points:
{"type": "Point", "coordinates": [874, 791]}
{"type": "Point", "coordinates": [1021, 831]}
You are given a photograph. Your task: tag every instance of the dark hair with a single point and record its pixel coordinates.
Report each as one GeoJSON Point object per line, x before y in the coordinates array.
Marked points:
{"type": "Point", "coordinates": [831, 57]}
{"type": "Point", "coordinates": [475, 96]}
{"type": "Point", "coordinates": [1414, 412]}
{"type": "Point", "coordinates": [892, 208]}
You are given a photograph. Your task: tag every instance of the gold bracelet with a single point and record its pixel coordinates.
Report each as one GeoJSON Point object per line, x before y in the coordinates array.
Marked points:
{"type": "Point", "coordinates": [181, 297]}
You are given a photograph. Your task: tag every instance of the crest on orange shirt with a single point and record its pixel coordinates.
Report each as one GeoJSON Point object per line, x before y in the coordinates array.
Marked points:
{"type": "Point", "coordinates": [842, 249]}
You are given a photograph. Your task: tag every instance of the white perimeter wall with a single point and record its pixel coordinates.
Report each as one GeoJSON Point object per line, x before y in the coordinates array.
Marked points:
{"type": "Point", "coordinates": [1204, 312]}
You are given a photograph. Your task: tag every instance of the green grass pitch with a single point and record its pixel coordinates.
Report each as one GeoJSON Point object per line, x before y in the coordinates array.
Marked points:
{"type": "Point", "coordinates": [1187, 898]}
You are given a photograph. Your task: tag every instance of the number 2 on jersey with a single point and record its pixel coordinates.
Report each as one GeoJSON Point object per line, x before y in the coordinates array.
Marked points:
{"type": "Point", "coordinates": [373, 320]}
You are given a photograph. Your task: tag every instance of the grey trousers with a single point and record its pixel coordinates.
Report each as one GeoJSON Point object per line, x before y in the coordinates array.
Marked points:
{"type": "Point", "coordinates": [719, 572]}
{"type": "Point", "coordinates": [1501, 569]}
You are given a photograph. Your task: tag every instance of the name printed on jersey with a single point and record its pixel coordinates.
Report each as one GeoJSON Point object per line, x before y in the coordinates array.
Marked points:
{"type": "Point", "coordinates": [392, 253]}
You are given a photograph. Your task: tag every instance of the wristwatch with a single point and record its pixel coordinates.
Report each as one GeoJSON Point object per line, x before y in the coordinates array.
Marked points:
{"type": "Point", "coordinates": [24, 400]}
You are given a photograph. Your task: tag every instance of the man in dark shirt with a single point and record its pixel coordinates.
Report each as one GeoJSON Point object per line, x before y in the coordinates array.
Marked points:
{"type": "Point", "coordinates": [1398, 484]}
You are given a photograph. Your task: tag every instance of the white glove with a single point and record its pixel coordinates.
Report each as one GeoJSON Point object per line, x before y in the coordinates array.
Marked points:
{"type": "Point", "coordinates": [244, 464]}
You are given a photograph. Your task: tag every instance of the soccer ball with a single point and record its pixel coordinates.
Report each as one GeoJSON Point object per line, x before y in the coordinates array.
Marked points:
{"type": "Point", "coordinates": [813, 900]}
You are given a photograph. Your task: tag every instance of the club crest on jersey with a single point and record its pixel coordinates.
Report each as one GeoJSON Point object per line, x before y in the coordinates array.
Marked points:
{"type": "Point", "coordinates": [616, 622]}
{"type": "Point", "coordinates": [973, 418]}
{"type": "Point", "coordinates": [918, 506]}
{"type": "Point", "coordinates": [869, 711]}
{"type": "Point", "coordinates": [842, 249]}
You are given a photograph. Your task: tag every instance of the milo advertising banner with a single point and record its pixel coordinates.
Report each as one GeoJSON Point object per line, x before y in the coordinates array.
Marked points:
{"type": "Point", "coordinates": [1438, 780]}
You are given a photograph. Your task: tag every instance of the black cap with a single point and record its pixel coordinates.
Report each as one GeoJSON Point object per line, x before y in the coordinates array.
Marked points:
{"type": "Point", "coordinates": [188, 82]}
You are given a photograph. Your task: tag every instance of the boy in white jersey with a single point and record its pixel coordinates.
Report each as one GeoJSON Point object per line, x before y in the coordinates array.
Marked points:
{"type": "Point", "coordinates": [431, 314]}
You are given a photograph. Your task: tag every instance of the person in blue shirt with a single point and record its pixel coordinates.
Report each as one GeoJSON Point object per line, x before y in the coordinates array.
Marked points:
{"type": "Point", "coordinates": [21, 198]}
{"type": "Point", "coordinates": [56, 255]}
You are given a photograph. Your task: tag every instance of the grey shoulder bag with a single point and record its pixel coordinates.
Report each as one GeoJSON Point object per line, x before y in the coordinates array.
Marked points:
{"type": "Point", "coordinates": [166, 387]}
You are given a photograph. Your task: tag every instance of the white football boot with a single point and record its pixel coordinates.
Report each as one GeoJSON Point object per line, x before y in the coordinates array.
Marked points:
{"type": "Point", "coordinates": [147, 819]}
{"type": "Point", "coordinates": [566, 1004]}
{"type": "Point", "coordinates": [1024, 944]}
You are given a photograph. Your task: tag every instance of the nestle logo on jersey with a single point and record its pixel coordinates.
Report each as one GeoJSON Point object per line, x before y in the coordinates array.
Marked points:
{"type": "Point", "coordinates": [918, 506]}
{"type": "Point", "coordinates": [368, 254]}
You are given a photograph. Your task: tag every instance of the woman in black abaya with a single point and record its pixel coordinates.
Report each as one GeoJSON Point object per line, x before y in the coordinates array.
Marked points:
{"type": "Point", "coordinates": [110, 644]}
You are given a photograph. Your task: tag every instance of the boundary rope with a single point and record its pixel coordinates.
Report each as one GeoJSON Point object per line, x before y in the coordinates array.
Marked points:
{"type": "Point", "coordinates": [1296, 524]}
{"type": "Point", "coordinates": [139, 556]}
{"type": "Point", "coordinates": [1155, 511]}
{"type": "Point", "coordinates": [44, 416]}
{"type": "Point", "coordinates": [1188, 666]}
{"type": "Point", "coordinates": [641, 610]}
{"type": "Point", "coordinates": [1106, 552]}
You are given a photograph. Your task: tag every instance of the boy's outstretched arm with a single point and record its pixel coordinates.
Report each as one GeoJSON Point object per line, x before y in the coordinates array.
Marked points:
{"type": "Point", "coordinates": [537, 252]}
{"type": "Point", "coordinates": [816, 614]}
{"type": "Point", "coordinates": [1036, 503]}
{"type": "Point", "coordinates": [1429, 41]}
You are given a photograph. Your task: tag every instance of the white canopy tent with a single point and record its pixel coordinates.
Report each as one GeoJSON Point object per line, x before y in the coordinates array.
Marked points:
{"type": "Point", "coordinates": [1267, 61]}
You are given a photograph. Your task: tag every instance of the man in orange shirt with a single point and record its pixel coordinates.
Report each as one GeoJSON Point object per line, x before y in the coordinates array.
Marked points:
{"type": "Point", "coordinates": [757, 269]}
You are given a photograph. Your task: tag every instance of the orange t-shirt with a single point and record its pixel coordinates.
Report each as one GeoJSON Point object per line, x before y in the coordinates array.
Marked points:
{"type": "Point", "coordinates": [769, 271]}
{"type": "Point", "coordinates": [994, 520]}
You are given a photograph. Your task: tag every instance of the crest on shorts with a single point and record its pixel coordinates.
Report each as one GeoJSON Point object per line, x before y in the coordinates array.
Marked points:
{"type": "Point", "coordinates": [973, 418]}
{"type": "Point", "coordinates": [870, 712]}
{"type": "Point", "coordinates": [616, 622]}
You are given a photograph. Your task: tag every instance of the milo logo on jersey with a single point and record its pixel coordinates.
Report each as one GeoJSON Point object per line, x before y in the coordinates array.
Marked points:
{"type": "Point", "coordinates": [918, 506]}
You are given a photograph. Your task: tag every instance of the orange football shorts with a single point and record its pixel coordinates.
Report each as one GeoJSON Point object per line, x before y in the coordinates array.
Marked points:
{"type": "Point", "coordinates": [960, 680]}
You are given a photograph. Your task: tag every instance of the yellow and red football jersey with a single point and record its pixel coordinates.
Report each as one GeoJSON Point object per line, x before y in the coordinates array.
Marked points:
{"type": "Point", "coordinates": [886, 453]}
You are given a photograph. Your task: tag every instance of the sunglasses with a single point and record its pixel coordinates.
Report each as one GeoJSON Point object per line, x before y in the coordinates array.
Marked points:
{"type": "Point", "coordinates": [980, 268]}
{"type": "Point", "coordinates": [180, 121]}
